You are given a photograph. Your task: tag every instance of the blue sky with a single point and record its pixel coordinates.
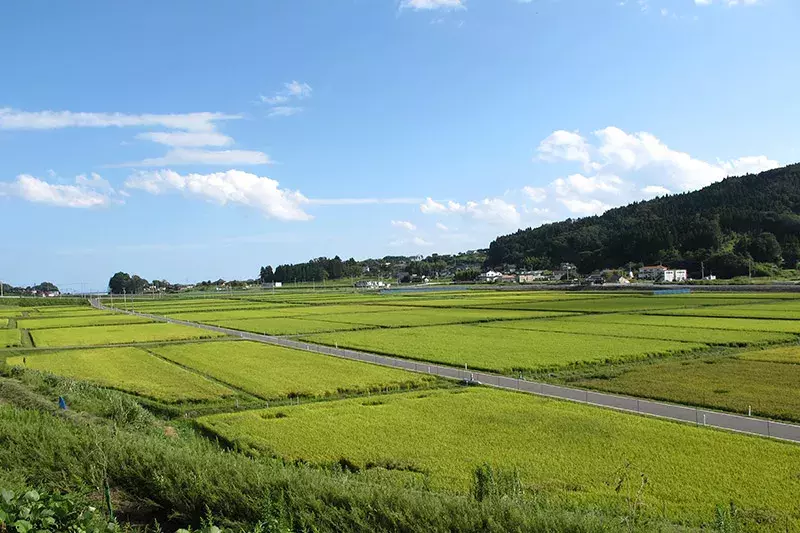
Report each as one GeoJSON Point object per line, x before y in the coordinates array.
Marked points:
{"type": "Point", "coordinates": [191, 140]}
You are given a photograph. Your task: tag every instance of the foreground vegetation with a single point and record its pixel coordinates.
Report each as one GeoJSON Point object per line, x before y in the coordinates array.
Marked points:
{"type": "Point", "coordinates": [444, 436]}
{"type": "Point", "coordinates": [165, 473]}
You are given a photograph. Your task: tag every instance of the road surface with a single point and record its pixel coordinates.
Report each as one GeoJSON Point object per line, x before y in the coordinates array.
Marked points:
{"type": "Point", "coordinates": [680, 413]}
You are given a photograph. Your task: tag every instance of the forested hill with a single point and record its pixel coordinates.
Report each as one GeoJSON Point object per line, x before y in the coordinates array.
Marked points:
{"type": "Point", "coordinates": [740, 223]}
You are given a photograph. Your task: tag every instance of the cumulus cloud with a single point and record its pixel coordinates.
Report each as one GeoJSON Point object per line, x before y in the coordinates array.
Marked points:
{"type": "Point", "coordinates": [403, 224]}
{"type": "Point", "coordinates": [363, 201]}
{"type": "Point", "coordinates": [535, 194]}
{"type": "Point", "coordinates": [230, 187]}
{"type": "Point", "coordinates": [489, 210]}
{"type": "Point", "coordinates": [189, 156]}
{"type": "Point", "coordinates": [87, 192]}
{"type": "Point", "coordinates": [418, 5]}
{"type": "Point", "coordinates": [564, 145]}
{"type": "Point", "coordinates": [13, 119]}
{"type": "Point", "coordinates": [622, 167]}
{"type": "Point", "coordinates": [442, 227]}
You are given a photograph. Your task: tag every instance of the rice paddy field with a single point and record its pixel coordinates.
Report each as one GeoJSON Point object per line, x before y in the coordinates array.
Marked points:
{"type": "Point", "coordinates": [129, 369]}
{"type": "Point", "coordinates": [735, 352]}
{"type": "Point", "coordinates": [272, 372]}
{"type": "Point", "coordinates": [9, 338]}
{"type": "Point", "coordinates": [574, 451]}
{"type": "Point", "coordinates": [117, 334]}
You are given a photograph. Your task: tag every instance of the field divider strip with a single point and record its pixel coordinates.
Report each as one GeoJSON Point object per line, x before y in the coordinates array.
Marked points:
{"type": "Point", "coordinates": [674, 412]}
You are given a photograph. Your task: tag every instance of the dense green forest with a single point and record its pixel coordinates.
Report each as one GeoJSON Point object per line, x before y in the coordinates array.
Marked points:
{"type": "Point", "coordinates": [741, 225]}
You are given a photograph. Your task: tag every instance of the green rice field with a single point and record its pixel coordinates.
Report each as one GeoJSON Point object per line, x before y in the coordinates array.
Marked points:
{"type": "Point", "coordinates": [786, 354]}
{"type": "Point", "coordinates": [78, 321]}
{"type": "Point", "coordinates": [9, 338]}
{"type": "Point", "coordinates": [272, 372]}
{"type": "Point", "coordinates": [116, 334]}
{"type": "Point", "coordinates": [128, 369]}
{"type": "Point", "coordinates": [507, 351]}
{"type": "Point", "coordinates": [735, 384]}
{"type": "Point", "coordinates": [575, 451]}
{"type": "Point", "coordinates": [738, 324]}
{"type": "Point", "coordinates": [647, 331]}
{"type": "Point", "coordinates": [284, 326]}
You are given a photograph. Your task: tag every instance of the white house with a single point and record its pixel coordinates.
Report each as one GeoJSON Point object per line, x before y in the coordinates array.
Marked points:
{"type": "Point", "coordinates": [490, 276]}
{"type": "Point", "coordinates": [655, 273]}
{"type": "Point", "coordinates": [675, 275]}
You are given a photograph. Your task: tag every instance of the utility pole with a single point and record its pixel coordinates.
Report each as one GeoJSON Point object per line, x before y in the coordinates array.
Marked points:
{"type": "Point", "coordinates": [702, 270]}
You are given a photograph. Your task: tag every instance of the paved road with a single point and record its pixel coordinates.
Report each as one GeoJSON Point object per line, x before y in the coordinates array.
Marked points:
{"type": "Point", "coordinates": [681, 413]}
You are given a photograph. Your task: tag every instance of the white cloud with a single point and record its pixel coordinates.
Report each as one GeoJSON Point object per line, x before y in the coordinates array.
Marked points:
{"type": "Point", "coordinates": [362, 201]}
{"type": "Point", "coordinates": [584, 207]}
{"type": "Point", "coordinates": [416, 241]}
{"type": "Point", "coordinates": [299, 90]}
{"type": "Point", "coordinates": [284, 111]}
{"type": "Point", "coordinates": [12, 119]}
{"type": "Point", "coordinates": [442, 227]}
{"type": "Point", "coordinates": [187, 156]}
{"type": "Point", "coordinates": [623, 167]}
{"type": "Point", "coordinates": [432, 4]}
{"type": "Point", "coordinates": [748, 165]}
{"type": "Point", "coordinates": [579, 184]}
{"type": "Point", "coordinates": [81, 195]}
{"type": "Point", "coordinates": [645, 157]}
{"type": "Point", "coordinates": [489, 210]}
{"type": "Point", "coordinates": [403, 224]}
{"type": "Point", "coordinates": [187, 138]}
{"type": "Point", "coordinates": [564, 145]}
{"type": "Point", "coordinates": [729, 3]}
{"type": "Point", "coordinates": [655, 190]}
{"type": "Point", "coordinates": [232, 186]}
{"type": "Point", "coordinates": [294, 90]}
{"type": "Point", "coordinates": [535, 194]}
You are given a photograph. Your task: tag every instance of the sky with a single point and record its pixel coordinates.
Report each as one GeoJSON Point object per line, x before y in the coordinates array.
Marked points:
{"type": "Point", "coordinates": [190, 140]}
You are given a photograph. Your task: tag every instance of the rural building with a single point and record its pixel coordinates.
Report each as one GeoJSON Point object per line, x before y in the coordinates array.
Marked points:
{"type": "Point", "coordinates": [490, 277]}
{"type": "Point", "coordinates": [532, 276]}
{"type": "Point", "coordinates": [272, 285]}
{"type": "Point", "coordinates": [654, 273]}
{"type": "Point", "coordinates": [369, 284]}
{"type": "Point", "coordinates": [675, 275]}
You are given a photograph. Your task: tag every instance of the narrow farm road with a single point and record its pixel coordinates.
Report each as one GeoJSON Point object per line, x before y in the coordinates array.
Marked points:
{"type": "Point", "coordinates": [679, 413]}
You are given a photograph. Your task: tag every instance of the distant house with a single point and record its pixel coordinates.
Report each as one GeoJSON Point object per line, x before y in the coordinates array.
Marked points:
{"type": "Point", "coordinates": [490, 277]}
{"type": "Point", "coordinates": [272, 285]}
{"type": "Point", "coordinates": [654, 273]}
{"type": "Point", "coordinates": [532, 276]}
{"type": "Point", "coordinates": [508, 278]}
{"type": "Point", "coordinates": [369, 284]}
{"type": "Point", "coordinates": [675, 275]}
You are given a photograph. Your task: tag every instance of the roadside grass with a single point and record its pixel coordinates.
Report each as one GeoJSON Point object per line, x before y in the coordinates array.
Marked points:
{"type": "Point", "coordinates": [575, 452]}
{"type": "Point", "coordinates": [117, 334]}
{"type": "Point", "coordinates": [10, 338]}
{"type": "Point", "coordinates": [508, 351]}
{"type": "Point", "coordinates": [272, 372]}
{"type": "Point", "coordinates": [737, 324]}
{"type": "Point", "coordinates": [700, 335]}
{"type": "Point", "coordinates": [78, 321]}
{"type": "Point", "coordinates": [128, 369]}
{"type": "Point", "coordinates": [3, 323]}
{"type": "Point", "coordinates": [785, 354]}
{"type": "Point", "coordinates": [737, 384]}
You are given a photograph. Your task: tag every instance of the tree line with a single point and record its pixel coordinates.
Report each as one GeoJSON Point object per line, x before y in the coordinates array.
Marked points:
{"type": "Point", "coordinates": [741, 225]}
